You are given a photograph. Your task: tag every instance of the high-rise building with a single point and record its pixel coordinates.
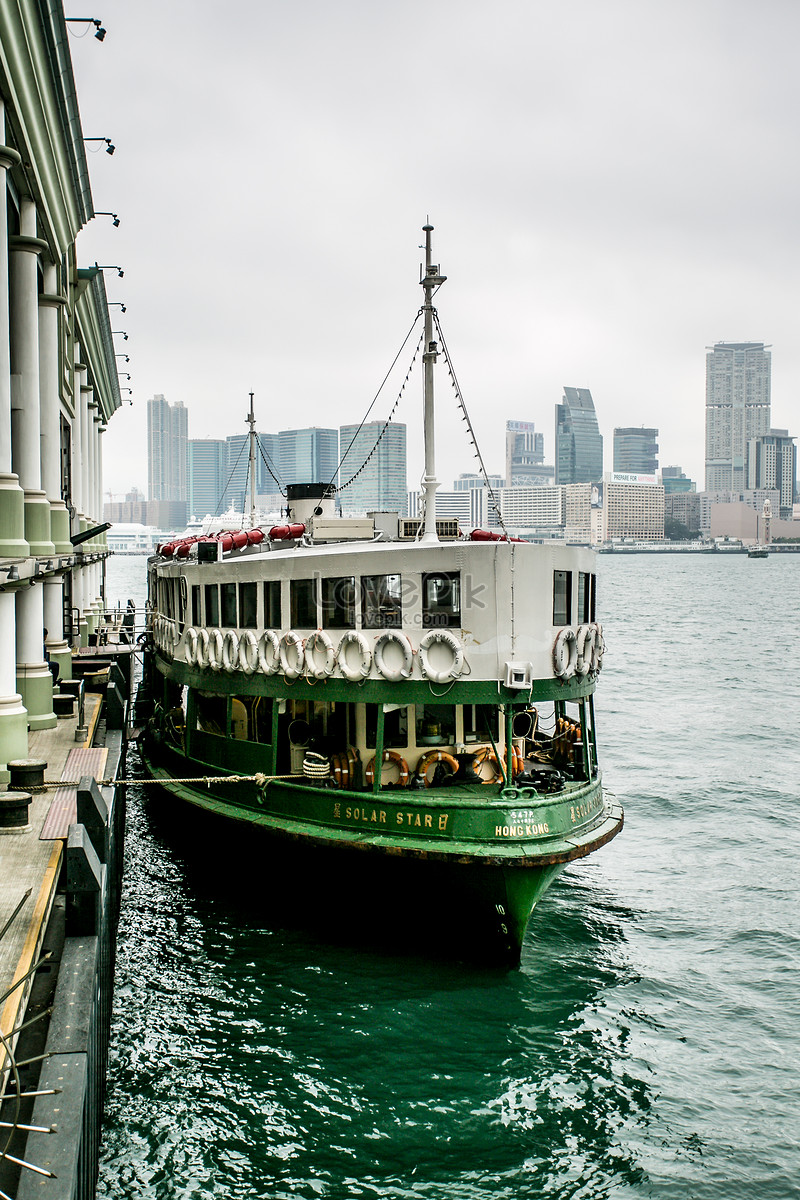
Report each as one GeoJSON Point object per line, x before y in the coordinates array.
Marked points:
{"type": "Point", "coordinates": [167, 438]}
{"type": "Point", "coordinates": [236, 476]}
{"type": "Point", "coordinates": [579, 443]}
{"type": "Point", "coordinates": [738, 376]}
{"type": "Point", "coordinates": [308, 455]}
{"type": "Point", "coordinates": [525, 456]}
{"type": "Point", "coordinates": [633, 510]}
{"type": "Point", "coordinates": [374, 459]}
{"type": "Point", "coordinates": [674, 481]}
{"type": "Point", "coordinates": [208, 460]}
{"type": "Point", "coordinates": [636, 450]}
{"type": "Point", "coordinates": [772, 463]}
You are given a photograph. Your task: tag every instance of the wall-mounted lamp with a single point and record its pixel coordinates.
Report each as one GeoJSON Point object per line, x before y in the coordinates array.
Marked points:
{"type": "Point", "coordinates": [120, 333]}
{"type": "Point", "coordinates": [125, 356]}
{"type": "Point", "coordinates": [109, 214]}
{"type": "Point", "coordinates": [123, 374]}
{"type": "Point", "coordinates": [117, 303]}
{"type": "Point", "coordinates": [106, 267]}
{"type": "Point", "coordinates": [110, 147]}
{"type": "Point", "coordinates": [99, 32]}
{"type": "Point", "coordinates": [123, 389]}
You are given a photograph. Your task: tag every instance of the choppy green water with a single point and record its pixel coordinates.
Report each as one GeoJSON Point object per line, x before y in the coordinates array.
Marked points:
{"type": "Point", "coordinates": [647, 1047]}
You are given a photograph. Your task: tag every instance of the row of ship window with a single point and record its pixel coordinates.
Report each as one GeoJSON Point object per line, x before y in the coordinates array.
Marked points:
{"type": "Point", "coordinates": [332, 603]}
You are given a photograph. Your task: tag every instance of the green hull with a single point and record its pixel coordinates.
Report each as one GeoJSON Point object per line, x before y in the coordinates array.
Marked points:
{"type": "Point", "coordinates": [459, 869]}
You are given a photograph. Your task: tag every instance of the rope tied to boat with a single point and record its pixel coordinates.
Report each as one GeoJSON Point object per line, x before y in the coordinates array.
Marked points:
{"type": "Point", "coordinates": [259, 778]}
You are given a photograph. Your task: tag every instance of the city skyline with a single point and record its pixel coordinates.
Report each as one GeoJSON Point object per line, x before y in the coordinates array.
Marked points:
{"type": "Point", "coordinates": [599, 243]}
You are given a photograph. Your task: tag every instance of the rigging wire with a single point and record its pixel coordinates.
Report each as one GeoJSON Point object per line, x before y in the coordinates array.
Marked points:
{"type": "Point", "coordinates": [466, 419]}
{"type": "Point", "coordinates": [386, 422]}
{"type": "Point", "coordinates": [230, 477]}
{"type": "Point", "coordinates": [372, 405]}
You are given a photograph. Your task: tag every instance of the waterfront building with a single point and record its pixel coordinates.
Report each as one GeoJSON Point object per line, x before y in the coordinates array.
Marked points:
{"type": "Point", "coordinates": [208, 464]}
{"type": "Point", "coordinates": [578, 513]}
{"type": "Point", "coordinates": [309, 455]}
{"type": "Point", "coordinates": [450, 505]}
{"type": "Point", "coordinates": [772, 463]}
{"type": "Point", "coordinates": [738, 381]}
{"type": "Point", "coordinates": [167, 449]}
{"type": "Point", "coordinates": [58, 375]}
{"type": "Point", "coordinates": [685, 507]}
{"type": "Point", "coordinates": [674, 480]}
{"type": "Point", "coordinates": [131, 510]}
{"type": "Point", "coordinates": [633, 508]}
{"type": "Point", "coordinates": [636, 450]}
{"type": "Point", "coordinates": [372, 475]}
{"type": "Point", "coordinates": [579, 443]}
{"type": "Point", "coordinates": [467, 481]}
{"type": "Point", "coordinates": [533, 507]}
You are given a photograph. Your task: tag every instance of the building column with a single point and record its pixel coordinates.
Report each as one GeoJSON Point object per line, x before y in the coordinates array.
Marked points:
{"type": "Point", "coordinates": [50, 434]}
{"type": "Point", "coordinates": [25, 417]}
{"type": "Point", "coordinates": [55, 642]}
{"type": "Point", "coordinates": [34, 680]}
{"type": "Point", "coordinates": [12, 501]}
{"type": "Point", "coordinates": [13, 714]}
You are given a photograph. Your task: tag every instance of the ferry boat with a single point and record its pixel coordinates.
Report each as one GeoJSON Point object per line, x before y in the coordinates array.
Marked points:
{"type": "Point", "coordinates": [404, 711]}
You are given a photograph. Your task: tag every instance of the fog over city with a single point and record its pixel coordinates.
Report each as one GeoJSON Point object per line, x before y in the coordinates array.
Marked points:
{"type": "Point", "coordinates": [613, 188]}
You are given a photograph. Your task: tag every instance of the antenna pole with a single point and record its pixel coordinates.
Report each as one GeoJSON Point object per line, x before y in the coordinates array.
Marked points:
{"type": "Point", "coordinates": [251, 421]}
{"type": "Point", "coordinates": [431, 280]}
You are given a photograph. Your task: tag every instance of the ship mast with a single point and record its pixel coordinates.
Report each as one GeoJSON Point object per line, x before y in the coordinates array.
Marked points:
{"type": "Point", "coordinates": [431, 280]}
{"type": "Point", "coordinates": [251, 421]}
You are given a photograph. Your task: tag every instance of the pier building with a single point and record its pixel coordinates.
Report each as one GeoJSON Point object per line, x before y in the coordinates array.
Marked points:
{"type": "Point", "coordinates": [58, 376]}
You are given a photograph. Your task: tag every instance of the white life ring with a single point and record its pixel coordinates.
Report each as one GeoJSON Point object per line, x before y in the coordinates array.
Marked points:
{"type": "Point", "coordinates": [565, 654]}
{"type": "Point", "coordinates": [248, 652]}
{"type": "Point", "coordinates": [584, 643]}
{"type": "Point", "coordinates": [355, 638]}
{"type": "Point", "coordinates": [202, 648]}
{"type": "Point", "coordinates": [269, 654]}
{"type": "Point", "coordinates": [599, 650]}
{"type": "Point", "coordinates": [292, 643]}
{"type": "Point", "coordinates": [176, 633]}
{"type": "Point", "coordinates": [230, 650]}
{"type": "Point", "coordinates": [190, 649]}
{"type": "Point", "coordinates": [215, 650]}
{"type": "Point", "coordinates": [320, 664]}
{"type": "Point", "coordinates": [441, 637]}
{"type": "Point", "coordinates": [401, 671]}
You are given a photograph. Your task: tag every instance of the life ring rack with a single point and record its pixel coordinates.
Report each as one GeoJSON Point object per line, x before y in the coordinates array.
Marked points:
{"type": "Point", "coordinates": [487, 755]}
{"type": "Point", "coordinates": [315, 641]}
{"type": "Point", "coordinates": [354, 637]}
{"type": "Point", "coordinates": [394, 674]}
{"type": "Point", "coordinates": [389, 756]}
{"type": "Point", "coordinates": [215, 646]}
{"type": "Point", "coordinates": [190, 649]}
{"type": "Point", "coordinates": [230, 650]}
{"type": "Point", "coordinates": [292, 643]}
{"type": "Point", "coordinates": [565, 654]}
{"type": "Point", "coordinates": [248, 652]}
{"type": "Point", "coordinates": [441, 637]}
{"type": "Point", "coordinates": [269, 653]}
{"type": "Point", "coordinates": [435, 756]}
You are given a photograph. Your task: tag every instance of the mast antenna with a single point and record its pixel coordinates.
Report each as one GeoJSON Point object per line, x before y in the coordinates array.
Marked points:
{"type": "Point", "coordinates": [431, 280]}
{"type": "Point", "coordinates": [251, 421]}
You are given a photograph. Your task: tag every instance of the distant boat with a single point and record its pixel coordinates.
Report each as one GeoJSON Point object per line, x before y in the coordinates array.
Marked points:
{"type": "Point", "coordinates": [758, 552]}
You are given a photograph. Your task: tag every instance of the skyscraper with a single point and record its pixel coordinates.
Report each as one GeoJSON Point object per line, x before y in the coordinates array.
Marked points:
{"type": "Point", "coordinates": [208, 460]}
{"type": "Point", "coordinates": [167, 430]}
{"type": "Point", "coordinates": [772, 463]}
{"type": "Point", "coordinates": [377, 466]}
{"type": "Point", "coordinates": [636, 450]}
{"type": "Point", "coordinates": [738, 376]}
{"type": "Point", "coordinates": [579, 443]}
{"type": "Point", "coordinates": [308, 455]}
{"type": "Point", "coordinates": [525, 456]}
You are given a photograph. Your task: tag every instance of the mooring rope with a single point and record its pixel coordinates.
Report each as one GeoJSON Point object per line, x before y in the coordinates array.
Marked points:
{"type": "Point", "coordinates": [258, 778]}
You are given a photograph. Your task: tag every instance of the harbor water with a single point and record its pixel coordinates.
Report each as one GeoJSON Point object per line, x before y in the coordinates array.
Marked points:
{"type": "Point", "coordinates": [646, 1047]}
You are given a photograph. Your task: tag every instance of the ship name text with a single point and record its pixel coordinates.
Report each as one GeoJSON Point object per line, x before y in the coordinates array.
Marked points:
{"type": "Point", "coordinates": [379, 816]}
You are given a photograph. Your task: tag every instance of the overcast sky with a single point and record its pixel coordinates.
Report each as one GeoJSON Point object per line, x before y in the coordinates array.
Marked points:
{"type": "Point", "coordinates": [614, 186]}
